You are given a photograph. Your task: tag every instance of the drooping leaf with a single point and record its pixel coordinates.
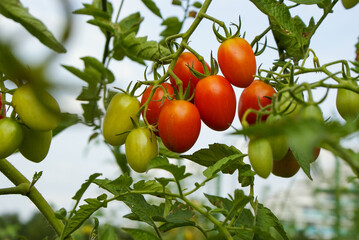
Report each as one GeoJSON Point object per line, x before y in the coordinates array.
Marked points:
{"type": "Point", "coordinates": [138, 49]}
{"type": "Point", "coordinates": [118, 186]}
{"type": "Point", "coordinates": [151, 5]}
{"type": "Point", "coordinates": [210, 156]}
{"type": "Point", "coordinates": [14, 10]}
{"type": "Point", "coordinates": [173, 26]}
{"type": "Point", "coordinates": [140, 234]}
{"type": "Point", "coordinates": [290, 33]}
{"type": "Point", "coordinates": [179, 172]}
{"type": "Point", "coordinates": [85, 186]}
{"type": "Point", "coordinates": [85, 211]}
{"type": "Point", "coordinates": [67, 120]}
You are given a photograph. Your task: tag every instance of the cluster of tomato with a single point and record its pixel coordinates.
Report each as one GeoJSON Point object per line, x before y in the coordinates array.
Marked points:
{"type": "Point", "coordinates": [178, 121]}
{"type": "Point", "coordinates": [30, 132]}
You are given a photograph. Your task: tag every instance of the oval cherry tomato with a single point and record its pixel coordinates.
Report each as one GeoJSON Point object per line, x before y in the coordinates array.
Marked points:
{"type": "Point", "coordinates": [181, 70]}
{"type": "Point", "coordinates": [279, 143]}
{"type": "Point", "coordinates": [286, 167]}
{"type": "Point", "coordinates": [287, 105]}
{"type": "Point", "coordinates": [347, 103]}
{"type": "Point", "coordinates": [311, 112]}
{"type": "Point", "coordinates": [179, 125]}
{"type": "Point", "coordinates": [117, 118]}
{"type": "Point", "coordinates": [36, 108]}
{"type": "Point", "coordinates": [11, 136]}
{"type": "Point", "coordinates": [260, 156]}
{"type": "Point", "coordinates": [35, 144]}
{"type": "Point", "coordinates": [157, 101]}
{"type": "Point", "coordinates": [141, 146]}
{"type": "Point", "coordinates": [237, 61]}
{"type": "Point", "coordinates": [249, 100]}
{"type": "Point", "coordinates": [216, 102]}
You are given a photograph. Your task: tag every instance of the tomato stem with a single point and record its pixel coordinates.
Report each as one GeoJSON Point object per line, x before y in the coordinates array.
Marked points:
{"type": "Point", "coordinates": [33, 194]}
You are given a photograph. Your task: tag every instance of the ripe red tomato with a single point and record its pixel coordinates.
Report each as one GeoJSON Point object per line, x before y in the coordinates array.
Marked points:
{"type": "Point", "coordinates": [249, 100]}
{"type": "Point", "coordinates": [157, 102]}
{"type": "Point", "coordinates": [216, 102]}
{"type": "Point", "coordinates": [237, 61]}
{"type": "Point", "coordinates": [179, 125]}
{"type": "Point", "coordinates": [182, 71]}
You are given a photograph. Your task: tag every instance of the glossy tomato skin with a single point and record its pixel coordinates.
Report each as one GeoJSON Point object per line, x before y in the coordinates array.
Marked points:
{"type": "Point", "coordinates": [216, 102]}
{"type": "Point", "coordinates": [36, 108]}
{"type": "Point", "coordinates": [118, 116]}
{"type": "Point", "coordinates": [286, 167]}
{"type": "Point", "coordinates": [141, 146]}
{"type": "Point", "coordinates": [260, 156]}
{"type": "Point", "coordinates": [11, 136]}
{"type": "Point", "coordinates": [157, 101]}
{"type": "Point", "coordinates": [237, 61]}
{"type": "Point", "coordinates": [179, 125]}
{"type": "Point", "coordinates": [182, 71]}
{"type": "Point", "coordinates": [36, 144]}
{"type": "Point", "coordinates": [249, 99]}
{"type": "Point", "coordinates": [347, 103]}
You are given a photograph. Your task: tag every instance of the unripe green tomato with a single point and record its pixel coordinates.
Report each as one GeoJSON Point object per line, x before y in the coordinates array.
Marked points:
{"type": "Point", "coordinates": [260, 156]}
{"type": "Point", "coordinates": [287, 104]}
{"type": "Point", "coordinates": [347, 104]}
{"type": "Point", "coordinates": [349, 3]}
{"type": "Point", "coordinates": [141, 146]}
{"type": "Point", "coordinates": [118, 116]}
{"type": "Point", "coordinates": [11, 136]}
{"type": "Point", "coordinates": [312, 112]}
{"type": "Point", "coordinates": [35, 144]}
{"type": "Point", "coordinates": [279, 143]}
{"type": "Point", "coordinates": [36, 108]}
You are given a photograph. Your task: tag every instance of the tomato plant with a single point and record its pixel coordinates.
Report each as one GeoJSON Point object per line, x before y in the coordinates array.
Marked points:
{"type": "Point", "coordinates": [36, 108]}
{"type": "Point", "coordinates": [159, 98]}
{"type": "Point", "coordinates": [255, 96]}
{"type": "Point", "coordinates": [117, 121]}
{"type": "Point", "coordinates": [141, 146]}
{"type": "Point", "coordinates": [11, 136]}
{"type": "Point", "coordinates": [35, 144]}
{"type": "Point", "coordinates": [237, 61]}
{"type": "Point", "coordinates": [260, 156]}
{"type": "Point", "coordinates": [182, 71]}
{"type": "Point", "coordinates": [179, 125]}
{"type": "Point", "coordinates": [347, 103]}
{"type": "Point", "coordinates": [216, 102]}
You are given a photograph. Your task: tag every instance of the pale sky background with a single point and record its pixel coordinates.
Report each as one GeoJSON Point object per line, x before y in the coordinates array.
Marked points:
{"type": "Point", "coordinates": [71, 160]}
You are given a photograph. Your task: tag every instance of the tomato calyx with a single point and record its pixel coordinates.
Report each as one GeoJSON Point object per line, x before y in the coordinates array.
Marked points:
{"type": "Point", "coordinates": [228, 33]}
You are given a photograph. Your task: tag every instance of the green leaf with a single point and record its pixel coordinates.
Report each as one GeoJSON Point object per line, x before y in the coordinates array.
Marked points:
{"type": "Point", "coordinates": [179, 216]}
{"type": "Point", "coordinates": [138, 49]}
{"type": "Point", "coordinates": [89, 93]}
{"type": "Point", "coordinates": [109, 233]}
{"type": "Point", "coordinates": [246, 175]}
{"type": "Point", "coordinates": [103, 24]}
{"type": "Point", "coordinates": [197, 5]}
{"type": "Point", "coordinates": [290, 34]}
{"type": "Point", "coordinates": [210, 156]}
{"type": "Point", "coordinates": [94, 11]}
{"type": "Point", "coordinates": [152, 7]}
{"type": "Point", "coordinates": [266, 219]}
{"type": "Point", "coordinates": [83, 214]}
{"type": "Point", "coordinates": [118, 186]}
{"type": "Point", "coordinates": [93, 63]}
{"type": "Point", "coordinates": [220, 202]}
{"type": "Point", "coordinates": [67, 120]}
{"type": "Point", "coordinates": [142, 209]}
{"type": "Point", "coordinates": [308, 2]}
{"type": "Point", "coordinates": [173, 26]}
{"type": "Point", "coordinates": [84, 186]}
{"type": "Point", "coordinates": [150, 185]}
{"type": "Point", "coordinates": [179, 172]}
{"type": "Point", "coordinates": [91, 111]}
{"type": "Point", "coordinates": [14, 10]}
{"type": "Point", "coordinates": [223, 164]}
{"type": "Point", "coordinates": [176, 2]}
{"type": "Point", "coordinates": [139, 234]}
{"type": "Point", "coordinates": [130, 24]}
